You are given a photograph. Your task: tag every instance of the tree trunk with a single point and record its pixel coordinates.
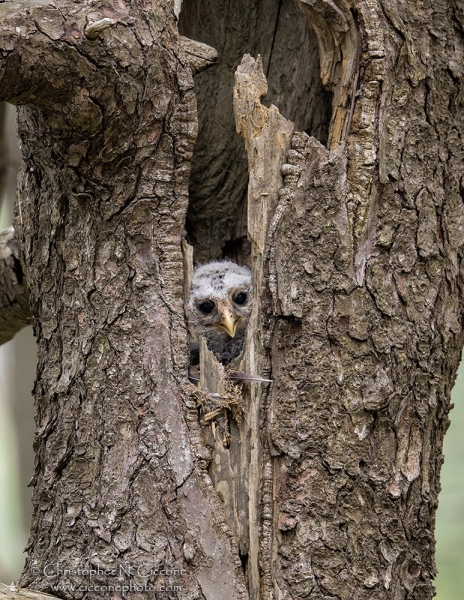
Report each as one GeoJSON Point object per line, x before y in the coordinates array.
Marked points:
{"type": "Point", "coordinates": [107, 124]}
{"type": "Point", "coordinates": [329, 486]}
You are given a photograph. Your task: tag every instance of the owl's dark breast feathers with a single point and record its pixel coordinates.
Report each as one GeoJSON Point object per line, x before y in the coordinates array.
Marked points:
{"type": "Point", "coordinates": [222, 345]}
{"type": "Point", "coordinates": [225, 346]}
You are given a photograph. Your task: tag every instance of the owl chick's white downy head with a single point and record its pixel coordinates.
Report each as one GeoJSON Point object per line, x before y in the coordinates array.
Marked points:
{"type": "Point", "coordinates": [220, 305]}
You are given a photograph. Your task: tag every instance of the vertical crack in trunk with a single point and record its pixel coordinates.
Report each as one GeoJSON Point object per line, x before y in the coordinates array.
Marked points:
{"type": "Point", "coordinates": [274, 38]}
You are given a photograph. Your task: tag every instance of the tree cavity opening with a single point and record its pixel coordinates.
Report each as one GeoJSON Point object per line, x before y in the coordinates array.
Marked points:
{"type": "Point", "coordinates": [216, 220]}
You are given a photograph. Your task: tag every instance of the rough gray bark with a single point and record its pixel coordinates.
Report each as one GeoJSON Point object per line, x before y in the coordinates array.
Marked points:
{"type": "Point", "coordinates": [364, 312]}
{"type": "Point", "coordinates": [107, 124]}
{"type": "Point", "coordinates": [363, 316]}
{"type": "Point", "coordinates": [357, 261]}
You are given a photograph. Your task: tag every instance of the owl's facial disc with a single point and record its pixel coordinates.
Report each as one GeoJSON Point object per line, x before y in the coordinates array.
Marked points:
{"type": "Point", "coordinates": [227, 320]}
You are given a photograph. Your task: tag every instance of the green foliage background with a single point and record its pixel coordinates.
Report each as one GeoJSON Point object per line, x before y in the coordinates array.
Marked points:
{"type": "Point", "coordinates": [450, 515]}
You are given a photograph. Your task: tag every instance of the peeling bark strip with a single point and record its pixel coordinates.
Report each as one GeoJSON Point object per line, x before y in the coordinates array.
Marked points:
{"type": "Point", "coordinates": [339, 48]}
{"type": "Point", "coordinates": [107, 124]}
{"type": "Point", "coordinates": [14, 296]}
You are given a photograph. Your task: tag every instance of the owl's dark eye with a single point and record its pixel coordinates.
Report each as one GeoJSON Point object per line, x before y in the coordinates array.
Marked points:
{"type": "Point", "coordinates": [240, 299]}
{"type": "Point", "coordinates": [206, 307]}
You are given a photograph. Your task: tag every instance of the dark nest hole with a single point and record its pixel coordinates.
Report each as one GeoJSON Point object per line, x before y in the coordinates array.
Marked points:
{"type": "Point", "coordinates": [216, 221]}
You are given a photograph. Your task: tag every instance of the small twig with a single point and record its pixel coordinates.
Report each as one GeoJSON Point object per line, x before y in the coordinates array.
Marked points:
{"type": "Point", "coordinates": [213, 414]}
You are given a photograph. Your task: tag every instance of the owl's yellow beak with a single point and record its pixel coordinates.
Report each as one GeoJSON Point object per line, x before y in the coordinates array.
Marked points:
{"type": "Point", "coordinates": [228, 321]}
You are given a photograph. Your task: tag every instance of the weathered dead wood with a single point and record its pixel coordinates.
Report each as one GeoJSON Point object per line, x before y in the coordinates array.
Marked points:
{"type": "Point", "coordinates": [187, 255]}
{"type": "Point", "coordinates": [224, 432]}
{"type": "Point", "coordinates": [223, 418]}
{"type": "Point", "coordinates": [267, 138]}
{"type": "Point", "coordinates": [236, 466]}
{"type": "Point", "coordinates": [14, 296]}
